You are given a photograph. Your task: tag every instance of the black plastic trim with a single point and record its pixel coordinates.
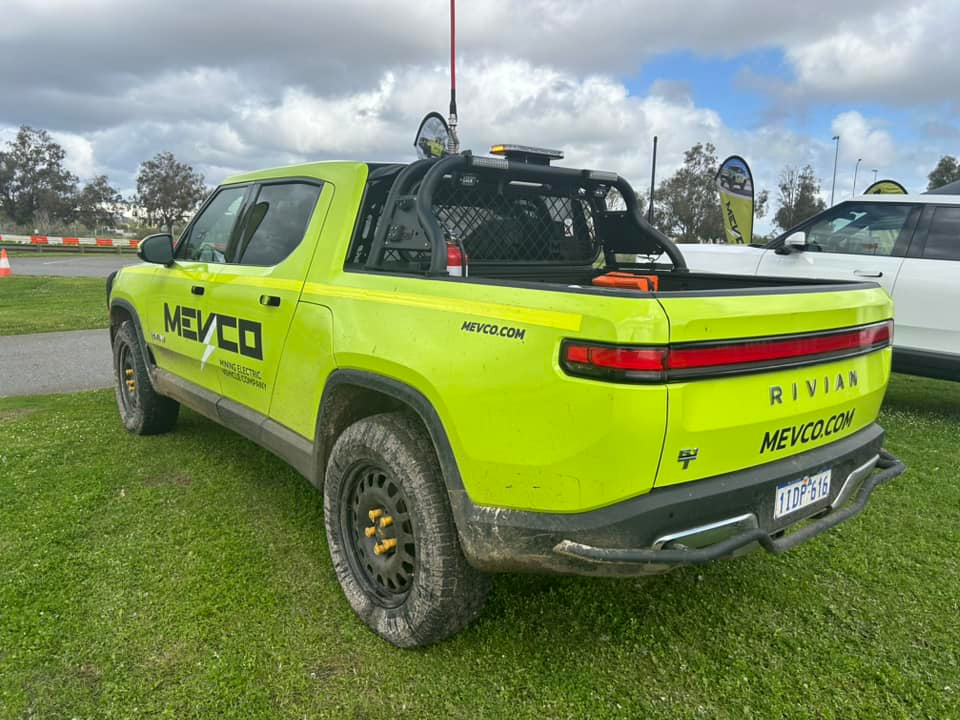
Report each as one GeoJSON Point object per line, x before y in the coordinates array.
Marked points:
{"type": "Point", "coordinates": [498, 539]}
{"type": "Point", "coordinates": [925, 363]}
{"type": "Point", "coordinates": [768, 286]}
{"type": "Point", "coordinates": [110, 278]}
{"type": "Point", "coordinates": [418, 402]}
{"type": "Point", "coordinates": [294, 449]}
{"type": "Point", "coordinates": [144, 348]}
{"type": "Point", "coordinates": [776, 543]}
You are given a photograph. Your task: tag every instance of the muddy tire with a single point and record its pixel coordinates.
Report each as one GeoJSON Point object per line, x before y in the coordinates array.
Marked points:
{"type": "Point", "coordinates": [142, 410]}
{"type": "Point", "coordinates": [392, 536]}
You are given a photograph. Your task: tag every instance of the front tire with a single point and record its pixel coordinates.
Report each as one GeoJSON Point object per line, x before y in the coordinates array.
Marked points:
{"type": "Point", "coordinates": [142, 409]}
{"type": "Point", "coordinates": [392, 536]}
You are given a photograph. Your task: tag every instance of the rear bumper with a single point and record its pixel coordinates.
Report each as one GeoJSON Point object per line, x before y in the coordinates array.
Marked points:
{"type": "Point", "coordinates": [687, 524]}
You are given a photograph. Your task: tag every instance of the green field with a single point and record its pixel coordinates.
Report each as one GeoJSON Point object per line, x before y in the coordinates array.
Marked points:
{"type": "Point", "coordinates": [30, 304]}
{"type": "Point", "coordinates": [187, 576]}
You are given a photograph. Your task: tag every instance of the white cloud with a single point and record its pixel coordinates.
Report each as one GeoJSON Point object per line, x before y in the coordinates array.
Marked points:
{"type": "Point", "coordinates": [860, 138]}
{"type": "Point", "coordinates": [79, 154]}
{"type": "Point", "coordinates": [899, 55]}
{"type": "Point", "coordinates": [318, 80]}
{"type": "Point", "coordinates": [306, 124]}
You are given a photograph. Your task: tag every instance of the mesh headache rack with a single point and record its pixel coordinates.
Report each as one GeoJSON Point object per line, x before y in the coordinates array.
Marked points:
{"type": "Point", "coordinates": [505, 212]}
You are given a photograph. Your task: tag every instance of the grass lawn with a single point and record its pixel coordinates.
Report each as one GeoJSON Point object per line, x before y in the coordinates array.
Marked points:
{"type": "Point", "coordinates": [187, 576]}
{"type": "Point", "coordinates": [30, 304]}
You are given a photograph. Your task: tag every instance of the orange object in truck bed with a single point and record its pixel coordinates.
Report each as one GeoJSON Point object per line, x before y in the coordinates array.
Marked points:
{"type": "Point", "coordinates": [649, 283]}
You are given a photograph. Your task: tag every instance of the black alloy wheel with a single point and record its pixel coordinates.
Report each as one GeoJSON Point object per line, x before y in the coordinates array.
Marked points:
{"type": "Point", "coordinates": [380, 534]}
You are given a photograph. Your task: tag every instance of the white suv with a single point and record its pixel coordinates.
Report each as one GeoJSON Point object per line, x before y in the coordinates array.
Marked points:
{"type": "Point", "coordinates": [909, 244]}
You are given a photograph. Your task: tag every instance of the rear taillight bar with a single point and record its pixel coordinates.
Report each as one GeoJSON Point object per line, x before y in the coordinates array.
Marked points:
{"type": "Point", "coordinates": [627, 363]}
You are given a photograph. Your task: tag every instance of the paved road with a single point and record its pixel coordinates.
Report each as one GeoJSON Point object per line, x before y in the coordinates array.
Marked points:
{"type": "Point", "coordinates": [56, 362]}
{"type": "Point", "coordinates": [70, 265]}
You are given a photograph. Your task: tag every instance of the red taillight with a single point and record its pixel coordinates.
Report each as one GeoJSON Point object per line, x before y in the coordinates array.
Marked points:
{"type": "Point", "coordinates": [699, 360]}
{"type": "Point", "coordinates": [754, 351]}
{"type": "Point", "coordinates": [616, 358]}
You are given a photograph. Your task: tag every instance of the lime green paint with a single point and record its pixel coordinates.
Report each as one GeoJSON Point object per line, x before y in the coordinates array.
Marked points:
{"type": "Point", "coordinates": [525, 435]}
{"type": "Point", "coordinates": [305, 362]}
{"type": "Point", "coordinates": [718, 318]}
{"type": "Point", "coordinates": [726, 419]}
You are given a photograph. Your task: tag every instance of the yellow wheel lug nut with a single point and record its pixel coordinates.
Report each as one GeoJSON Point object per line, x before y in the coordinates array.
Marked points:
{"type": "Point", "coordinates": [370, 531]}
{"type": "Point", "coordinates": [374, 514]}
{"type": "Point", "coordinates": [386, 546]}
{"type": "Point", "coordinates": [386, 521]}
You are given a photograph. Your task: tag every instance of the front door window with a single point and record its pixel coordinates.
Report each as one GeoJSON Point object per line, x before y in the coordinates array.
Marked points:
{"type": "Point", "coordinates": [209, 236]}
{"type": "Point", "coordinates": [859, 229]}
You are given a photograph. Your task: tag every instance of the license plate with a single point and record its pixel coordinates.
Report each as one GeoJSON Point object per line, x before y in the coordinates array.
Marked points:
{"type": "Point", "coordinates": [795, 495]}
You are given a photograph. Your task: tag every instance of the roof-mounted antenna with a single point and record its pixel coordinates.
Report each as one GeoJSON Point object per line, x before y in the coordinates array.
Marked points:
{"type": "Point", "coordinates": [453, 143]}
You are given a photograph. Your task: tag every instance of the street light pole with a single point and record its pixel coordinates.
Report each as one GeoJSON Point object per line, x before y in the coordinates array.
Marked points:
{"type": "Point", "coordinates": [875, 171]}
{"type": "Point", "coordinates": [836, 154]}
{"type": "Point", "coordinates": [855, 171]}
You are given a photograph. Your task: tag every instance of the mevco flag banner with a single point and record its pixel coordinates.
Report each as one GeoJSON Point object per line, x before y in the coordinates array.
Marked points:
{"type": "Point", "coordinates": [886, 187]}
{"type": "Point", "coordinates": [735, 184]}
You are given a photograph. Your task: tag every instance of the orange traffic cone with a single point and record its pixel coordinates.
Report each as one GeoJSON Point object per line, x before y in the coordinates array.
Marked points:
{"type": "Point", "coordinates": [5, 270]}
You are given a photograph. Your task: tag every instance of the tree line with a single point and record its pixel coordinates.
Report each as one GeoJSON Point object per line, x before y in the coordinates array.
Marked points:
{"type": "Point", "coordinates": [37, 192]}
{"type": "Point", "coordinates": [686, 208]}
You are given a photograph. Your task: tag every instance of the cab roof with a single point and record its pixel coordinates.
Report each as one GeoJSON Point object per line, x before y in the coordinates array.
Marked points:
{"type": "Point", "coordinates": [331, 171]}
{"type": "Point", "coordinates": [897, 198]}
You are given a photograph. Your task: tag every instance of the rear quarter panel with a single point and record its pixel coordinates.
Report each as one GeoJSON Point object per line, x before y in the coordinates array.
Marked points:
{"type": "Point", "coordinates": [525, 435]}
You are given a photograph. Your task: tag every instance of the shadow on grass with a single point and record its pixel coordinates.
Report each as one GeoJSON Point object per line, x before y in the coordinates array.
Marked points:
{"type": "Point", "coordinates": [923, 397]}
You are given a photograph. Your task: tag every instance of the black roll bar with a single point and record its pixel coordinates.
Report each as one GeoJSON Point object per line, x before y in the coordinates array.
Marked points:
{"type": "Point", "coordinates": [530, 173]}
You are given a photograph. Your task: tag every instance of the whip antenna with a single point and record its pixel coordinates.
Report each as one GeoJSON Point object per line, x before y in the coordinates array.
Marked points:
{"type": "Point", "coordinates": [453, 143]}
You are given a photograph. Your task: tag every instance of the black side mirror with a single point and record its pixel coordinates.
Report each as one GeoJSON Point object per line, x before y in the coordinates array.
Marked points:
{"type": "Point", "coordinates": [794, 242]}
{"type": "Point", "coordinates": [156, 249]}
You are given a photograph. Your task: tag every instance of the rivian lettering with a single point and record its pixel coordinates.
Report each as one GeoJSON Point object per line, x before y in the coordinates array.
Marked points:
{"type": "Point", "coordinates": [811, 386]}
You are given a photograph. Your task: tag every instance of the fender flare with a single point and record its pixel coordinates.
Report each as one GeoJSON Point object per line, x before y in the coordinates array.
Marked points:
{"type": "Point", "coordinates": [135, 316]}
{"type": "Point", "coordinates": [414, 399]}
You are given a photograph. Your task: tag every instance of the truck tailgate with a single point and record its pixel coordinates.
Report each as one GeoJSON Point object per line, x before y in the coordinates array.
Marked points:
{"type": "Point", "coordinates": [754, 413]}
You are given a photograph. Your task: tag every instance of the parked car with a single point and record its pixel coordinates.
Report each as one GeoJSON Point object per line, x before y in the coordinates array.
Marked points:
{"type": "Point", "coordinates": [909, 244]}
{"type": "Point", "coordinates": [450, 353]}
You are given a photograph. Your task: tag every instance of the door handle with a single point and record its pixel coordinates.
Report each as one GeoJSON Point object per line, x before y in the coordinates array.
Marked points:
{"type": "Point", "coordinates": [270, 300]}
{"type": "Point", "coordinates": [197, 289]}
{"type": "Point", "coordinates": [868, 273]}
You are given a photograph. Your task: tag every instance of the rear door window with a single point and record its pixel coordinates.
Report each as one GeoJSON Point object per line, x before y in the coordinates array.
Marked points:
{"type": "Point", "coordinates": [943, 238]}
{"type": "Point", "coordinates": [276, 222]}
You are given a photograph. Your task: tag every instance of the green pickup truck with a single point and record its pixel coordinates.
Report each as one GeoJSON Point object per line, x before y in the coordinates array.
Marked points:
{"type": "Point", "coordinates": [465, 357]}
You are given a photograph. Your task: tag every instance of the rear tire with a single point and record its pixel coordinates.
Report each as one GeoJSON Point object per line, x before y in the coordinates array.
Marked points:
{"type": "Point", "coordinates": [142, 409]}
{"type": "Point", "coordinates": [384, 485]}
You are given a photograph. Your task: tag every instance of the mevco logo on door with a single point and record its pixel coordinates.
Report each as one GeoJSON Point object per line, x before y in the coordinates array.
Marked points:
{"type": "Point", "coordinates": [233, 334]}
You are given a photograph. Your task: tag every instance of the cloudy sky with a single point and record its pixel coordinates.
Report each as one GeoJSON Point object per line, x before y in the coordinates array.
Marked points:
{"type": "Point", "coordinates": [230, 86]}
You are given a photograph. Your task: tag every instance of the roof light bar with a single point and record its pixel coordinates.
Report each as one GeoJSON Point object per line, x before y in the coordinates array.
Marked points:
{"type": "Point", "coordinates": [527, 154]}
